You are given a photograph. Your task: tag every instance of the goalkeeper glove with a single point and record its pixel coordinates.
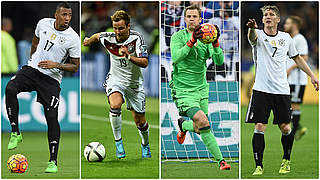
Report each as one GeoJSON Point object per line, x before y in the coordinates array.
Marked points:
{"type": "Point", "coordinates": [216, 42]}
{"type": "Point", "coordinates": [197, 33]}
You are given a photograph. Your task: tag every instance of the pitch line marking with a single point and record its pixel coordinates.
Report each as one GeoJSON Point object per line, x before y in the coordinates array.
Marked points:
{"type": "Point", "coordinates": [99, 118]}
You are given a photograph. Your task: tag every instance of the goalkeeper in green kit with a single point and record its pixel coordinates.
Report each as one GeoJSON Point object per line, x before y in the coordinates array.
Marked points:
{"type": "Point", "coordinates": [190, 90]}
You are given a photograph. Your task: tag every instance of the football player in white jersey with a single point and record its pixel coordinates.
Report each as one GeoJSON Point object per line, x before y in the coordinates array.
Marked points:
{"type": "Point", "coordinates": [128, 53]}
{"type": "Point", "coordinates": [271, 49]}
{"type": "Point", "coordinates": [53, 42]}
{"type": "Point", "coordinates": [296, 77]}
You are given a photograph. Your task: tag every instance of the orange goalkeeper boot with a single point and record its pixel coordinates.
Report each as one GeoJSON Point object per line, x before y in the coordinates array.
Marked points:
{"type": "Point", "coordinates": [181, 136]}
{"type": "Point", "coordinates": [224, 165]}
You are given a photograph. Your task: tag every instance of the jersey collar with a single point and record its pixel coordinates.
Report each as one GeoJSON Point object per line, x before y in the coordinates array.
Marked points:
{"type": "Point", "coordinates": [270, 35]}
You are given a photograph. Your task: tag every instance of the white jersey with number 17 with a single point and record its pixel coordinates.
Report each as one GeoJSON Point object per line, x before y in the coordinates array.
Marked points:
{"type": "Point", "coordinates": [54, 45]}
{"type": "Point", "coordinates": [270, 54]}
{"type": "Point", "coordinates": [122, 70]}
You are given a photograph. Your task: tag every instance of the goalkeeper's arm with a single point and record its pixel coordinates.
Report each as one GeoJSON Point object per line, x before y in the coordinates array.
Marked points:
{"type": "Point", "coordinates": [93, 39]}
{"type": "Point", "coordinates": [180, 49]}
{"type": "Point", "coordinates": [217, 56]}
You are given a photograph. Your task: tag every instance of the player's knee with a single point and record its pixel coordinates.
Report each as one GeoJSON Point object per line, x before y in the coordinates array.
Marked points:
{"type": "Point", "coordinates": [285, 128]}
{"type": "Point", "coordinates": [295, 107]}
{"type": "Point", "coordinates": [203, 122]}
{"type": "Point", "coordinates": [260, 127]}
{"type": "Point", "coordinates": [11, 90]}
{"type": "Point", "coordinates": [115, 105]}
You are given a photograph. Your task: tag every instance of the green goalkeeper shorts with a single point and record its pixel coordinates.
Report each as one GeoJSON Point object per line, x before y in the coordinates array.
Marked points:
{"type": "Point", "coordinates": [185, 100]}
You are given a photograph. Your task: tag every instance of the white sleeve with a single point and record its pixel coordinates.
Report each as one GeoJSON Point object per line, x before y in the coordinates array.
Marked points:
{"type": "Point", "coordinates": [37, 31]}
{"type": "Point", "coordinates": [141, 47]}
{"type": "Point", "coordinates": [74, 50]}
{"type": "Point", "coordinates": [292, 50]}
{"type": "Point", "coordinates": [102, 36]}
{"type": "Point", "coordinates": [301, 45]}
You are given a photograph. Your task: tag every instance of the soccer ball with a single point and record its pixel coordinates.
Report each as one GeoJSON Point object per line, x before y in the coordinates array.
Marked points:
{"type": "Point", "coordinates": [94, 151]}
{"type": "Point", "coordinates": [17, 163]}
{"type": "Point", "coordinates": [209, 33]}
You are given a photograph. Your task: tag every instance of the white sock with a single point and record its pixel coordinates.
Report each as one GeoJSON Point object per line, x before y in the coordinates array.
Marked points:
{"type": "Point", "coordinates": [144, 134]}
{"type": "Point", "coordinates": [115, 120]}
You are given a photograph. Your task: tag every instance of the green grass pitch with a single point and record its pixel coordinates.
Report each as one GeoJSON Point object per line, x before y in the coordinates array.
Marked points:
{"type": "Point", "coordinates": [34, 147]}
{"type": "Point", "coordinates": [197, 170]}
{"type": "Point", "coordinates": [304, 156]}
{"type": "Point", "coordinates": [95, 126]}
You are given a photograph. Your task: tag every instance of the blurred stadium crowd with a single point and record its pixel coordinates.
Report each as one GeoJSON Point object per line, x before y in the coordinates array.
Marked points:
{"type": "Point", "coordinates": [225, 14]}
{"type": "Point", "coordinates": [95, 17]}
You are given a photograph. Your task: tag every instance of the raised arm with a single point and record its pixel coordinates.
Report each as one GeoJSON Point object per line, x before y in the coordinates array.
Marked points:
{"type": "Point", "coordinates": [252, 25]}
{"type": "Point", "coordinates": [180, 49]}
{"type": "Point", "coordinates": [93, 39]}
{"type": "Point", "coordinates": [301, 63]}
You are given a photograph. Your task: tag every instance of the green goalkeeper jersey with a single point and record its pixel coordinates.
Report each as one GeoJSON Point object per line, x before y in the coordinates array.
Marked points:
{"type": "Point", "coordinates": [189, 64]}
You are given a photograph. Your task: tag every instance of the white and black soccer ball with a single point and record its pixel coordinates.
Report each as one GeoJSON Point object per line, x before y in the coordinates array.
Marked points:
{"type": "Point", "coordinates": [94, 151]}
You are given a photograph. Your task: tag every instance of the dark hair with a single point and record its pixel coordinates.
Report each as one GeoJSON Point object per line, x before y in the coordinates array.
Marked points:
{"type": "Point", "coordinates": [296, 20]}
{"type": "Point", "coordinates": [121, 15]}
{"type": "Point", "coordinates": [63, 5]}
{"type": "Point", "coordinates": [192, 7]}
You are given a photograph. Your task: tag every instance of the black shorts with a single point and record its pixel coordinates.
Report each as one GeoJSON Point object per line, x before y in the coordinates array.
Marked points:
{"type": "Point", "coordinates": [297, 92]}
{"type": "Point", "coordinates": [30, 79]}
{"type": "Point", "coordinates": [262, 103]}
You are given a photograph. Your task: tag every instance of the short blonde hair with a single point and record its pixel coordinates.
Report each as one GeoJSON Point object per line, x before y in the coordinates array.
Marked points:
{"type": "Point", "coordinates": [275, 9]}
{"type": "Point", "coordinates": [121, 15]}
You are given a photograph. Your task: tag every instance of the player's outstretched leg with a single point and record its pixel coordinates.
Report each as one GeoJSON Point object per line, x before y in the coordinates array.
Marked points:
{"type": "Point", "coordinates": [258, 145]}
{"type": "Point", "coordinates": [184, 126]}
{"type": "Point", "coordinates": [51, 114]}
{"type": "Point", "coordinates": [115, 120]}
{"type": "Point", "coordinates": [12, 107]}
{"type": "Point", "coordinates": [144, 134]}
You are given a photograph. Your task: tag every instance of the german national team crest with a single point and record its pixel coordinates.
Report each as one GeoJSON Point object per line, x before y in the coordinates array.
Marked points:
{"type": "Point", "coordinates": [132, 46]}
{"type": "Point", "coordinates": [61, 40]}
{"type": "Point", "coordinates": [281, 42]}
